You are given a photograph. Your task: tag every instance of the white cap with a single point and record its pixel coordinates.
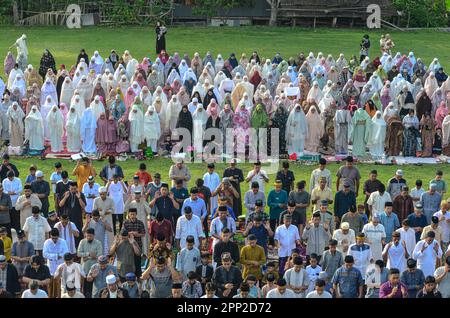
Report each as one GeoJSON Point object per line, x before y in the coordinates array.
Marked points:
{"type": "Point", "coordinates": [39, 174]}
{"type": "Point", "coordinates": [399, 172]}
{"type": "Point", "coordinates": [102, 190]}
{"type": "Point", "coordinates": [345, 225]}
{"type": "Point", "coordinates": [110, 279]}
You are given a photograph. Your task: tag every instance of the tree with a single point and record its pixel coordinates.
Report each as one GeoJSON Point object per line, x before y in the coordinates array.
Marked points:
{"type": "Point", "coordinates": [210, 8]}
{"type": "Point", "coordinates": [274, 5]}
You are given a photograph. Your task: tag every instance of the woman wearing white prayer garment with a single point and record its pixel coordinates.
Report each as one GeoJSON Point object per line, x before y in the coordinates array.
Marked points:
{"type": "Point", "coordinates": [146, 98]}
{"type": "Point", "coordinates": [173, 75]}
{"type": "Point", "coordinates": [73, 126]}
{"type": "Point", "coordinates": [124, 83]}
{"type": "Point", "coordinates": [19, 83]}
{"type": "Point", "coordinates": [131, 67]}
{"type": "Point", "coordinates": [315, 95]}
{"type": "Point", "coordinates": [434, 65]}
{"type": "Point", "coordinates": [219, 63]}
{"type": "Point", "coordinates": [136, 88]}
{"type": "Point", "coordinates": [97, 107]}
{"type": "Point", "coordinates": [67, 90]}
{"type": "Point", "coordinates": [15, 117]}
{"type": "Point", "coordinates": [152, 129]}
{"type": "Point", "coordinates": [431, 84]}
{"type": "Point", "coordinates": [45, 110]}
{"type": "Point", "coordinates": [78, 103]}
{"type": "Point", "coordinates": [12, 76]}
{"type": "Point", "coordinates": [199, 119]}
{"type": "Point", "coordinates": [55, 124]}
{"type": "Point", "coordinates": [48, 88]}
{"type": "Point", "coordinates": [34, 129]}
{"type": "Point", "coordinates": [85, 88]}
{"type": "Point", "coordinates": [377, 136]}
{"type": "Point", "coordinates": [88, 125]}
{"type": "Point", "coordinates": [390, 111]}
{"type": "Point", "coordinates": [173, 110]}
{"type": "Point", "coordinates": [136, 119]}
{"type": "Point", "coordinates": [247, 102]}
{"type": "Point", "coordinates": [183, 68]}
{"type": "Point", "coordinates": [296, 131]}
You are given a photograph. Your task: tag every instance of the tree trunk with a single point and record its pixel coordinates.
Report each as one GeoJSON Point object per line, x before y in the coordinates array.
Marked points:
{"type": "Point", "coordinates": [15, 12]}
{"type": "Point", "coordinates": [273, 12]}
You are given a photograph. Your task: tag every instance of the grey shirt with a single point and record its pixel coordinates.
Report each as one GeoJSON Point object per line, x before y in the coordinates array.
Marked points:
{"type": "Point", "coordinates": [331, 262]}
{"type": "Point", "coordinates": [300, 197]}
{"type": "Point", "coordinates": [250, 199]}
{"type": "Point", "coordinates": [5, 200]}
{"type": "Point", "coordinates": [348, 174]}
{"type": "Point", "coordinates": [99, 281]}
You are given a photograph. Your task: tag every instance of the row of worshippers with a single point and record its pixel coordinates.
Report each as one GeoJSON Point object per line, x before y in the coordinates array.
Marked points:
{"type": "Point", "coordinates": [391, 106]}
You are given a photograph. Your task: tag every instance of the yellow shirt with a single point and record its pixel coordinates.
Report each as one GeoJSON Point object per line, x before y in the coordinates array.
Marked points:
{"type": "Point", "coordinates": [83, 172]}
{"type": "Point", "coordinates": [437, 232]}
{"type": "Point", "coordinates": [249, 253]}
{"type": "Point", "coordinates": [319, 195]}
{"type": "Point", "coordinates": [7, 246]}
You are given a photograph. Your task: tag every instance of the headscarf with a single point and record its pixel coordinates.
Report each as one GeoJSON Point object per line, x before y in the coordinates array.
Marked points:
{"type": "Point", "coordinates": [15, 115]}
{"type": "Point", "coordinates": [441, 113]}
{"type": "Point", "coordinates": [185, 119]}
{"type": "Point", "coordinates": [259, 117]}
{"type": "Point", "coordinates": [8, 63]}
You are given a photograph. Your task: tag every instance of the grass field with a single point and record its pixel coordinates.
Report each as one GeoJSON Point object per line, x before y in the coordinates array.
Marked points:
{"type": "Point", "coordinates": [65, 45]}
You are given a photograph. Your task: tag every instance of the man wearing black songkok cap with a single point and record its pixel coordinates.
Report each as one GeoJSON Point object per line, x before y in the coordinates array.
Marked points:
{"type": "Point", "coordinates": [412, 277]}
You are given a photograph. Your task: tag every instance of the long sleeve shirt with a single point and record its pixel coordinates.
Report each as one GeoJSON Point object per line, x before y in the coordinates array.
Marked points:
{"type": "Point", "coordinates": [13, 186]}
{"type": "Point", "coordinates": [174, 172]}
{"type": "Point", "coordinates": [252, 254]}
{"type": "Point", "coordinates": [362, 254]}
{"type": "Point", "coordinates": [317, 238]}
{"type": "Point", "coordinates": [426, 260]}
{"type": "Point", "coordinates": [412, 279]}
{"type": "Point", "coordinates": [250, 199]}
{"type": "Point", "coordinates": [85, 249]}
{"type": "Point", "coordinates": [54, 253]}
{"type": "Point", "coordinates": [187, 227]}
{"type": "Point", "coordinates": [221, 277]}
{"type": "Point", "coordinates": [343, 201]}
{"type": "Point", "coordinates": [274, 200]}
{"type": "Point", "coordinates": [25, 211]}
{"type": "Point", "coordinates": [188, 260]}
{"type": "Point", "coordinates": [431, 204]}
{"type": "Point", "coordinates": [198, 207]}
{"type": "Point", "coordinates": [316, 175]}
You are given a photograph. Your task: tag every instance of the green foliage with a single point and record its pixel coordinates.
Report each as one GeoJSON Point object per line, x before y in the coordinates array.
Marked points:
{"type": "Point", "coordinates": [422, 13]}
{"type": "Point", "coordinates": [212, 8]}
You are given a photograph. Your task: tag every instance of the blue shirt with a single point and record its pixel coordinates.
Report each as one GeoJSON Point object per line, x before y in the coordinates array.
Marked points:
{"type": "Point", "coordinates": [390, 223]}
{"type": "Point", "coordinates": [99, 281]}
{"type": "Point", "coordinates": [343, 202]}
{"type": "Point", "coordinates": [30, 178]}
{"type": "Point", "coordinates": [431, 204]}
{"type": "Point", "coordinates": [261, 236]}
{"type": "Point", "coordinates": [230, 212]}
{"type": "Point", "coordinates": [198, 207]}
{"type": "Point", "coordinates": [417, 221]}
{"type": "Point", "coordinates": [348, 281]}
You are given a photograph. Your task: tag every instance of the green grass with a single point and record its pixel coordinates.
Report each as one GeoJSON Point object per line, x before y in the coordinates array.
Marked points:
{"type": "Point", "coordinates": [65, 45]}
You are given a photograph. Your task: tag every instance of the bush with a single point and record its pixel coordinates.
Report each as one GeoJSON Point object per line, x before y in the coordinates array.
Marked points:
{"type": "Point", "coordinates": [422, 13]}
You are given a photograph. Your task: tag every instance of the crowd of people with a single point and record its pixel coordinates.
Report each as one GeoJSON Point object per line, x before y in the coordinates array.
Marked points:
{"type": "Point", "coordinates": [162, 235]}
{"type": "Point", "coordinates": [376, 106]}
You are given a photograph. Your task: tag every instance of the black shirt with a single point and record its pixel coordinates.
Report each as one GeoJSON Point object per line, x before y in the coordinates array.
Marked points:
{"type": "Point", "coordinates": [433, 294]}
{"type": "Point", "coordinates": [286, 179]}
{"type": "Point", "coordinates": [370, 186]}
{"type": "Point", "coordinates": [42, 273]}
{"type": "Point", "coordinates": [229, 247]}
{"type": "Point", "coordinates": [296, 218]}
{"type": "Point", "coordinates": [165, 206]}
{"type": "Point", "coordinates": [4, 170]}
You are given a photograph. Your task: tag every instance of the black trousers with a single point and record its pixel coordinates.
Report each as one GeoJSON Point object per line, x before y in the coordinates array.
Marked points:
{"type": "Point", "coordinates": [117, 218]}
{"type": "Point", "coordinates": [15, 219]}
{"type": "Point", "coordinates": [137, 264]}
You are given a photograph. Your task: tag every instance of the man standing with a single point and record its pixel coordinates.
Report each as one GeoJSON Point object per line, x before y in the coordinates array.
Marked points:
{"type": "Point", "coordinates": [443, 216]}
{"type": "Point", "coordinates": [112, 290]}
{"type": "Point", "coordinates": [281, 291]}
{"type": "Point", "coordinates": [7, 166]}
{"type": "Point", "coordinates": [91, 192]}
{"type": "Point", "coordinates": [105, 207]}
{"type": "Point", "coordinates": [403, 204]}
{"type": "Point", "coordinates": [344, 201]}
{"type": "Point", "coordinates": [331, 259]}
{"type": "Point", "coordinates": [82, 171]}
{"type": "Point", "coordinates": [389, 220]}
{"type": "Point", "coordinates": [287, 237]}
{"type": "Point", "coordinates": [321, 193]}
{"type": "Point", "coordinates": [427, 252]}
{"type": "Point", "coordinates": [375, 237]}
{"type": "Point", "coordinates": [361, 252]}
{"type": "Point", "coordinates": [443, 278]}
{"type": "Point", "coordinates": [277, 201]}
{"type": "Point", "coordinates": [179, 171]}
{"type": "Point", "coordinates": [220, 222]}
{"type": "Point", "coordinates": [257, 175]}
{"type": "Point", "coordinates": [69, 232]}
{"type": "Point", "coordinates": [136, 229]}
{"type": "Point", "coordinates": [350, 174]}
{"type": "Point", "coordinates": [62, 186]}
{"type": "Point", "coordinates": [165, 203]}
{"type": "Point", "coordinates": [412, 277]}
{"type": "Point", "coordinates": [54, 250]}
{"type": "Point", "coordinates": [70, 273]}
{"type": "Point", "coordinates": [9, 277]}
{"type": "Point", "coordinates": [344, 237]}
{"type": "Point", "coordinates": [431, 201]}
{"type": "Point", "coordinates": [417, 221]}
{"type": "Point", "coordinates": [212, 181]}
{"type": "Point", "coordinates": [7, 212]}
{"type": "Point", "coordinates": [25, 203]}
{"type": "Point", "coordinates": [236, 177]}
{"type": "Point", "coordinates": [297, 278]}
{"type": "Point", "coordinates": [377, 200]}
{"type": "Point", "coordinates": [252, 258]}
{"type": "Point", "coordinates": [441, 185]}
{"type": "Point", "coordinates": [393, 288]}
{"type": "Point", "coordinates": [37, 228]}
{"type": "Point", "coordinates": [251, 196]}
{"type": "Point", "coordinates": [347, 280]}
{"type": "Point", "coordinates": [317, 236]}
{"type": "Point", "coordinates": [395, 184]}
{"type": "Point", "coordinates": [110, 170]}
{"type": "Point", "coordinates": [354, 219]}
{"type": "Point", "coordinates": [72, 205]}
{"type": "Point", "coordinates": [11, 188]}
{"type": "Point", "coordinates": [188, 258]}
{"type": "Point", "coordinates": [227, 278]}
{"type": "Point", "coordinates": [21, 252]}
{"type": "Point", "coordinates": [124, 249]}
{"type": "Point", "coordinates": [143, 213]}
{"type": "Point", "coordinates": [318, 174]}
{"type": "Point", "coordinates": [89, 250]}
{"type": "Point", "coordinates": [97, 274]}
{"type": "Point", "coordinates": [286, 177]}
{"type": "Point", "coordinates": [225, 246]}
{"type": "Point", "coordinates": [395, 253]}
{"type": "Point", "coordinates": [371, 185]}
{"type": "Point", "coordinates": [188, 224]}
{"type": "Point", "coordinates": [42, 188]}
{"type": "Point", "coordinates": [302, 201]}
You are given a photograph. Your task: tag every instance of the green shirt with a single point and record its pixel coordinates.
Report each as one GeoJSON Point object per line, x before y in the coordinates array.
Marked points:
{"type": "Point", "coordinates": [274, 200]}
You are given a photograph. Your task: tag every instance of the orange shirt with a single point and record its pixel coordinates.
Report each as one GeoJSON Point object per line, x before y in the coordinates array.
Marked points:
{"type": "Point", "coordinates": [144, 177]}
{"type": "Point", "coordinates": [83, 173]}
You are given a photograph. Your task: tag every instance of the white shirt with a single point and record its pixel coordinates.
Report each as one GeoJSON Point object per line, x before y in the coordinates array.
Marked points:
{"type": "Point", "coordinates": [274, 293]}
{"type": "Point", "coordinates": [52, 252]}
{"type": "Point", "coordinates": [445, 225]}
{"type": "Point", "coordinates": [313, 274]}
{"type": "Point", "coordinates": [39, 294]}
{"type": "Point", "coordinates": [374, 235]}
{"type": "Point", "coordinates": [187, 227]}
{"type": "Point", "coordinates": [377, 201]}
{"type": "Point", "coordinates": [349, 239]}
{"type": "Point", "coordinates": [217, 226]}
{"type": "Point", "coordinates": [204, 296]}
{"type": "Point", "coordinates": [416, 194]}
{"type": "Point", "coordinates": [362, 254]}
{"type": "Point", "coordinates": [13, 186]}
{"type": "Point", "coordinates": [426, 260]}
{"type": "Point", "coordinates": [36, 230]}
{"type": "Point", "coordinates": [258, 178]}
{"type": "Point", "coordinates": [286, 237]}
{"type": "Point", "coordinates": [396, 256]}
{"type": "Point", "coordinates": [409, 237]}
{"type": "Point", "coordinates": [314, 294]}
{"type": "Point", "coordinates": [64, 233]}
{"type": "Point", "coordinates": [87, 190]}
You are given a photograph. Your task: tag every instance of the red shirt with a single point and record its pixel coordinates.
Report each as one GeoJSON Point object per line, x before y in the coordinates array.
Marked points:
{"type": "Point", "coordinates": [144, 177]}
{"type": "Point", "coordinates": [164, 228]}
